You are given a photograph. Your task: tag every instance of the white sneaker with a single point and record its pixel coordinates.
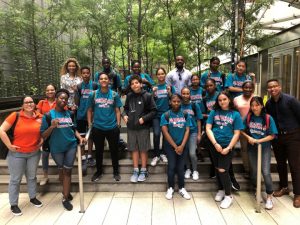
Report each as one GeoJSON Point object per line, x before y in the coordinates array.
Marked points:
{"type": "Point", "coordinates": [169, 194]}
{"type": "Point", "coordinates": [227, 201]}
{"type": "Point", "coordinates": [154, 161]}
{"type": "Point", "coordinates": [187, 174]}
{"type": "Point", "coordinates": [44, 181]}
{"type": "Point", "coordinates": [164, 158]}
{"type": "Point", "coordinates": [184, 194]}
{"type": "Point", "coordinates": [269, 204]}
{"type": "Point", "coordinates": [220, 195]}
{"type": "Point", "coordinates": [195, 175]}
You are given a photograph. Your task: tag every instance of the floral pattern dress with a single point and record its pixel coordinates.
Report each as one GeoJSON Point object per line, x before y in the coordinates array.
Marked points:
{"type": "Point", "coordinates": [70, 84]}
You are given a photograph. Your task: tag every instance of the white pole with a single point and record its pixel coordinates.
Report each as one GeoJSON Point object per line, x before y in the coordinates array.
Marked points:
{"type": "Point", "coordinates": [79, 147]}
{"type": "Point", "coordinates": [258, 181]}
{"type": "Point", "coordinates": [80, 179]}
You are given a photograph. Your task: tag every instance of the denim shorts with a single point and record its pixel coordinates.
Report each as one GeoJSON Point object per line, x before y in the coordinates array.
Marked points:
{"type": "Point", "coordinates": [64, 159]}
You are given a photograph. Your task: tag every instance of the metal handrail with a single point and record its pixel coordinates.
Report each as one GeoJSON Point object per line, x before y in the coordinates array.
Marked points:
{"type": "Point", "coordinates": [258, 180]}
{"type": "Point", "coordinates": [79, 147]}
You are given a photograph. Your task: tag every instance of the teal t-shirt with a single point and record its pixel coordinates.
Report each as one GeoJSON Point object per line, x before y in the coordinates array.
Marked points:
{"type": "Point", "coordinates": [234, 80]}
{"type": "Point", "coordinates": [224, 123]}
{"type": "Point", "coordinates": [195, 114]}
{"type": "Point", "coordinates": [85, 91]}
{"type": "Point", "coordinates": [104, 105]}
{"type": "Point", "coordinates": [62, 137]}
{"type": "Point", "coordinates": [114, 79]}
{"type": "Point", "coordinates": [258, 129]}
{"type": "Point", "coordinates": [210, 101]}
{"type": "Point", "coordinates": [161, 98]}
{"type": "Point", "coordinates": [217, 76]}
{"type": "Point", "coordinates": [196, 97]}
{"type": "Point", "coordinates": [177, 124]}
{"type": "Point", "coordinates": [143, 76]}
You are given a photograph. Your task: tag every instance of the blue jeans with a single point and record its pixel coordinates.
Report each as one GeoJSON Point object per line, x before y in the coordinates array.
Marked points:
{"type": "Point", "coordinates": [175, 164]}
{"type": "Point", "coordinates": [191, 157]}
{"type": "Point", "coordinates": [45, 160]}
{"type": "Point", "coordinates": [156, 137]}
{"type": "Point", "coordinates": [19, 164]}
{"type": "Point", "coordinates": [265, 166]}
{"type": "Point", "coordinates": [64, 159]}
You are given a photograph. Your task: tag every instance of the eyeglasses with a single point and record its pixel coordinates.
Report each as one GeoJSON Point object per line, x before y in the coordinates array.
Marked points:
{"type": "Point", "coordinates": [30, 102]}
{"type": "Point", "coordinates": [179, 75]}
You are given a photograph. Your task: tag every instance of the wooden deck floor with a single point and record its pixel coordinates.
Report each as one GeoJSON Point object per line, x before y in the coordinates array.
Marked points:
{"type": "Point", "coordinates": [143, 208]}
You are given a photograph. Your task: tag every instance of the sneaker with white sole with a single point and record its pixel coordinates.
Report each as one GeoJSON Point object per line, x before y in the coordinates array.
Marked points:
{"type": "Point", "coordinates": [164, 158]}
{"type": "Point", "coordinates": [37, 203]}
{"type": "Point", "coordinates": [195, 175]}
{"type": "Point", "coordinates": [44, 181]}
{"type": "Point", "coordinates": [187, 174]}
{"type": "Point", "coordinates": [227, 201]}
{"type": "Point", "coordinates": [135, 176]}
{"type": "Point", "coordinates": [220, 195]}
{"type": "Point", "coordinates": [16, 210]}
{"type": "Point", "coordinates": [169, 194]}
{"type": "Point", "coordinates": [184, 194]}
{"type": "Point", "coordinates": [143, 175]}
{"type": "Point", "coordinates": [155, 161]}
{"type": "Point", "coordinates": [269, 204]}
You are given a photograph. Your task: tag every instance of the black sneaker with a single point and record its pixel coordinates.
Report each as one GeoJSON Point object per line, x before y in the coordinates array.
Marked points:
{"type": "Point", "coordinates": [70, 197]}
{"type": "Point", "coordinates": [36, 202]}
{"type": "Point", "coordinates": [16, 210]}
{"type": "Point", "coordinates": [117, 177]}
{"type": "Point", "coordinates": [67, 205]}
{"type": "Point", "coordinates": [235, 185]}
{"type": "Point", "coordinates": [96, 177]}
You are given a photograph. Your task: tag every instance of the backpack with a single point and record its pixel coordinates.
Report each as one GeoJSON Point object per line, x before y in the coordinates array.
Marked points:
{"type": "Point", "coordinates": [10, 133]}
{"type": "Point", "coordinates": [267, 120]}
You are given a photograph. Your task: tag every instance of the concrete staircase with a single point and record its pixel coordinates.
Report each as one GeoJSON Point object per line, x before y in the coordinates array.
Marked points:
{"type": "Point", "coordinates": [157, 180]}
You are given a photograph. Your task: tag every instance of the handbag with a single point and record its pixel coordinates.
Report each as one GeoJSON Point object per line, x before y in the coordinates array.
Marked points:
{"type": "Point", "coordinates": [10, 133]}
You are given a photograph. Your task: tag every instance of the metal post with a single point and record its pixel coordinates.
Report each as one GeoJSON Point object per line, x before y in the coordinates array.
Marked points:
{"type": "Point", "coordinates": [80, 179]}
{"type": "Point", "coordinates": [79, 147]}
{"type": "Point", "coordinates": [258, 181]}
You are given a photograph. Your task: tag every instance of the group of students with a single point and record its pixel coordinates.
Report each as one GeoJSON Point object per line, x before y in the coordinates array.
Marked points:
{"type": "Point", "coordinates": [185, 108]}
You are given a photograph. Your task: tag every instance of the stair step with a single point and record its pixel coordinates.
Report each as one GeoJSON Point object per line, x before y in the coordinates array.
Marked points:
{"type": "Point", "coordinates": [126, 167]}
{"type": "Point", "coordinates": [155, 182]}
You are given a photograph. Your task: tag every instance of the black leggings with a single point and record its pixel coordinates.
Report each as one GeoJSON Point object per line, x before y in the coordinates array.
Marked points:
{"type": "Point", "coordinates": [112, 137]}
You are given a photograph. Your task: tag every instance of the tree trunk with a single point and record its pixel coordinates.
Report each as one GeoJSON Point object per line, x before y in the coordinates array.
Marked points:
{"type": "Point", "coordinates": [139, 32]}
{"type": "Point", "coordinates": [233, 34]}
{"type": "Point", "coordinates": [241, 13]}
{"type": "Point", "coordinates": [129, 24]}
{"type": "Point", "coordinates": [173, 40]}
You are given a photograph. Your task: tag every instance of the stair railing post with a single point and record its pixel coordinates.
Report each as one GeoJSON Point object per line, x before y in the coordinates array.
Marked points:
{"type": "Point", "coordinates": [79, 148]}
{"type": "Point", "coordinates": [258, 181]}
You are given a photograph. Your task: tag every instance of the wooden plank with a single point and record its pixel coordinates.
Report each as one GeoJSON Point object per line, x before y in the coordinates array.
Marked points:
{"type": "Point", "coordinates": [208, 210]}
{"type": "Point", "coordinates": [281, 214]}
{"type": "Point", "coordinates": [247, 203]}
{"type": "Point", "coordinates": [234, 215]}
{"type": "Point", "coordinates": [30, 212]}
{"type": "Point", "coordinates": [97, 209]}
{"type": "Point", "coordinates": [185, 211]}
{"type": "Point", "coordinates": [51, 212]}
{"type": "Point", "coordinates": [287, 201]}
{"type": "Point", "coordinates": [140, 211]}
{"type": "Point", "coordinates": [162, 210]}
{"type": "Point", "coordinates": [123, 194]}
{"type": "Point", "coordinates": [118, 211]}
{"type": "Point", "coordinates": [5, 213]}
{"type": "Point", "coordinates": [74, 216]}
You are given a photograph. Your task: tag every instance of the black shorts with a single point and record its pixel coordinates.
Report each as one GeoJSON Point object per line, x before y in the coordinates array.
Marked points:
{"type": "Point", "coordinates": [82, 126]}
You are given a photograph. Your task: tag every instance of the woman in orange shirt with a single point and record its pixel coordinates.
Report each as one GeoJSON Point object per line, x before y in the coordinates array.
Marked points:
{"type": "Point", "coordinates": [24, 151]}
{"type": "Point", "coordinates": [43, 107]}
